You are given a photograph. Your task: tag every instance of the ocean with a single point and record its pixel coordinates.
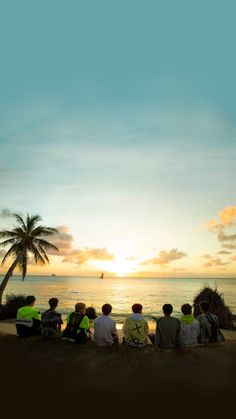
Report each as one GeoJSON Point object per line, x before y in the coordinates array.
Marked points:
{"type": "Point", "coordinates": [121, 293]}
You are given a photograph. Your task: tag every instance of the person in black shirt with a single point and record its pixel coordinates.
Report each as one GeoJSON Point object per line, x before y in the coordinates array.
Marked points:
{"type": "Point", "coordinates": [51, 321]}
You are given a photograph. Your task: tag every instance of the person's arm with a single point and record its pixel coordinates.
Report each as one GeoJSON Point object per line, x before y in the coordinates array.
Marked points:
{"type": "Point", "coordinates": [198, 327]}
{"type": "Point", "coordinates": [37, 315]}
{"type": "Point", "coordinates": [158, 335]}
{"type": "Point", "coordinates": [114, 329]}
{"type": "Point", "coordinates": [60, 322]}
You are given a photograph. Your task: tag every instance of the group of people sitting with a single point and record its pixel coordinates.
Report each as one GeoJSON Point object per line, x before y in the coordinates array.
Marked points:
{"type": "Point", "coordinates": [170, 332]}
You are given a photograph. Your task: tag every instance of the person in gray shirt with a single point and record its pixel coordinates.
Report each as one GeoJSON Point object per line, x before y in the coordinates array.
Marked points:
{"type": "Point", "coordinates": [167, 330]}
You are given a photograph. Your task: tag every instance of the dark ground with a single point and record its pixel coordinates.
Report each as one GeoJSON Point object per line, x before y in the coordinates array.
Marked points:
{"type": "Point", "coordinates": [60, 376]}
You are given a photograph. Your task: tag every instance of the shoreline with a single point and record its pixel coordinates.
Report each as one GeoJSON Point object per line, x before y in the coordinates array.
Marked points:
{"type": "Point", "coordinates": [7, 327]}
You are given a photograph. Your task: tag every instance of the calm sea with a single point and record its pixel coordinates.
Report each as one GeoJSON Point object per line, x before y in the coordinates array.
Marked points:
{"type": "Point", "coordinates": [121, 293]}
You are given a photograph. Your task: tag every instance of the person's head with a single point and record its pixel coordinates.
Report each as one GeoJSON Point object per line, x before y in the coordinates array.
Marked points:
{"type": "Point", "coordinates": [106, 309]}
{"type": "Point", "coordinates": [186, 309]}
{"type": "Point", "coordinates": [91, 313]}
{"type": "Point", "coordinates": [137, 308]}
{"type": "Point", "coordinates": [80, 307]}
{"type": "Point", "coordinates": [204, 306]}
{"type": "Point", "coordinates": [53, 302]}
{"type": "Point", "coordinates": [167, 309]}
{"type": "Point", "coordinates": [30, 300]}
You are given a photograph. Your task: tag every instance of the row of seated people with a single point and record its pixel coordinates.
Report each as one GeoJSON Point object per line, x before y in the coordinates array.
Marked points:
{"type": "Point", "coordinates": [170, 332]}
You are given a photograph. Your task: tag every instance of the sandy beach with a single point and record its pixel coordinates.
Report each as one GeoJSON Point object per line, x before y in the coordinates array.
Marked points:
{"type": "Point", "coordinates": [114, 376]}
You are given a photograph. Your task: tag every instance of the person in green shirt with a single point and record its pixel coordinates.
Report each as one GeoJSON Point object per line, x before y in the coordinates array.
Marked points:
{"type": "Point", "coordinates": [28, 319]}
{"type": "Point", "coordinates": [78, 325]}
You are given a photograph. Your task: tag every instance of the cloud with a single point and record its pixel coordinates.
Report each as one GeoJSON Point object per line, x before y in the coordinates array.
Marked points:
{"type": "Point", "coordinates": [233, 258]}
{"type": "Point", "coordinates": [224, 252]}
{"type": "Point", "coordinates": [228, 215]}
{"type": "Point", "coordinates": [63, 241]}
{"type": "Point", "coordinates": [164, 258]}
{"type": "Point", "coordinates": [80, 256]}
{"type": "Point", "coordinates": [227, 220]}
{"type": "Point", "coordinates": [5, 213]}
{"type": "Point", "coordinates": [215, 262]}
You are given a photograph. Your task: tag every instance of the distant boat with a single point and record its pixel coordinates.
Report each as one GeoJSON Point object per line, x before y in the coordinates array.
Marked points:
{"type": "Point", "coordinates": [101, 276]}
{"type": "Point", "coordinates": [53, 275]}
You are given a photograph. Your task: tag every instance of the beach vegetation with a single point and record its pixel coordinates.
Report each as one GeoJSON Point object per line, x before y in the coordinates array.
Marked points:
{"type": "Point", "coordinates": [25, 239]}
{"type": "Point", "coordinates": [217, 305]}
{"type": "Point", "coordinates": [12, 303]}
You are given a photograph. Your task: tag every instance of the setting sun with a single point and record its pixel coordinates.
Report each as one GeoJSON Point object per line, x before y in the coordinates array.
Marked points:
{"type": "Point", "coordinates": [118, 267]}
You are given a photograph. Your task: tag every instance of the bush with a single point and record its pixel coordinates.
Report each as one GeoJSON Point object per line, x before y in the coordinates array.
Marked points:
{"type": "Point", "coordinates": [12, 303]}
{"type": "Point", "coordinates": [217, 305]}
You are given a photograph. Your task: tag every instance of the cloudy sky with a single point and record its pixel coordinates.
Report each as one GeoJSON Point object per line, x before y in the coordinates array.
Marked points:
{"type": "Point", "coordinates": [117, 126]}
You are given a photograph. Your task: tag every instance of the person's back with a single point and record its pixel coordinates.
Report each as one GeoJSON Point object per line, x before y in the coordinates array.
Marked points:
{"type": "Point", "coordinates": [209, 326]}
{"type": "Point", "coordinates": [51, 321]}
{"type": "Point", "coordinates": [28, 320]}
{"type": "Point", "coordinates": [78, 324]}
{"type": "Point", "coordinates": [136, 328]}
{"type": "Point", "coordinates": [167, 330]}
{"type": "Point", "coordinates": [105, 333]}
{"type": "Point", "coordinates": [189, 328]}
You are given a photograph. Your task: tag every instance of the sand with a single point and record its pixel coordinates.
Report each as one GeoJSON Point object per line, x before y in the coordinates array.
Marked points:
{"type": "Point", "coordinates": [54, 376]}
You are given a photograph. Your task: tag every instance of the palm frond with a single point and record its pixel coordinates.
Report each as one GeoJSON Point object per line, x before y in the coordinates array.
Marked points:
{"type": "Point", "coordinates": [46, 244]}
{"type": "Point", "coordinates": [37, 255]}
{"type": "Point", "coordinates": [20, 220]}
{"type": "Point", "coordinates": [31, 221]}
{"type": "Point", "coordinates": [44, 253]}
{"type": "Point", "coordinates": [11, 252]}
{"type": "Point", "coordinates": [44, 231]}
{"type": "Point", "coordinates": [8, 241]}
{"type": "Point", "coordinates": [6, 233]}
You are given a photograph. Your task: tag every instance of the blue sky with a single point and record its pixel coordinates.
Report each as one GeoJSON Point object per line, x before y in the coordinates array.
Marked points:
{"type": "Point", "coordinates": [117, 121]}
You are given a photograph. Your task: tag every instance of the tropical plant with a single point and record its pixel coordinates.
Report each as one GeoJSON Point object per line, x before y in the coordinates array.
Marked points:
{"type": "Point", "coordinates": [12, 303]}
{"type": "Point", "coordinates": [26, 238]}
{"type": "Point", "coordinates": [217, 305]}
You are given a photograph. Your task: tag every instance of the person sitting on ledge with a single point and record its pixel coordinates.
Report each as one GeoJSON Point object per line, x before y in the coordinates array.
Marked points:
{"type": "Point", "coordinates": [209, 325]}
{"type": "Point", "coordinates": [105, 333]}
{"type": "Point", "coordinates": [167, 330]}
{"type": "Point", "coordinates": [51, 321]}
{"type": "Point", "coordinates": [136, 328]}
{"type": "Point", "coordinates": [28, 320]}
{"type": "Point", "coordinates": [78, 326]}
{"type": "Point", "coordinates": [189, 328]}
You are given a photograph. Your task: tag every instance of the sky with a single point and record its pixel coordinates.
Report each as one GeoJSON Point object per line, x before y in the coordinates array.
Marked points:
{"type": "Point", "coordinates": [118, 127]}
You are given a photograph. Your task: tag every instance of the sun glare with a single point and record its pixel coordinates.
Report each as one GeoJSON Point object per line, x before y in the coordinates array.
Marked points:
{"type": "Point", "coordinates": [118, 266]}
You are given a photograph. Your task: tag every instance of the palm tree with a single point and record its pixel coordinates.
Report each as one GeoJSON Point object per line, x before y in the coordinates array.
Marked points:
{"type": "Point", "coordinates": [26, 238]}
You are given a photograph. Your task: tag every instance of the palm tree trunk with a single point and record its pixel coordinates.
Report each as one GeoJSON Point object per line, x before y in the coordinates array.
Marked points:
{"type": "Point", "coordinates": [7, 277]}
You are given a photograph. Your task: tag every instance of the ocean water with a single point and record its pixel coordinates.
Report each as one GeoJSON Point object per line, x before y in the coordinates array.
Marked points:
{"type": "Point", "coordinates": [121, 293]}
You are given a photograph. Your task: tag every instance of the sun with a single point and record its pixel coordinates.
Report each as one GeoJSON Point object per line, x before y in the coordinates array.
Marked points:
{"type": "Point", "coordinates": [120, 267]}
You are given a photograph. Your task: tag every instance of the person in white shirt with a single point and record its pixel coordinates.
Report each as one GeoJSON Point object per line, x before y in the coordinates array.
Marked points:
{"type": "Point", "coordinates": [189, 327]}
{"type": "Point", "coordinates": [105, 333]}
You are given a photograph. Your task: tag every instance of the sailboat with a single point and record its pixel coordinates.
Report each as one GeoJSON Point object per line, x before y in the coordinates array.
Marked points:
{"type": "Point", "coordinates": [101, 276]}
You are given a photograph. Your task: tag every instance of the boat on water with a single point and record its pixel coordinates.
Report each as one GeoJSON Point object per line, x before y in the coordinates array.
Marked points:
{"type": "Point", "coordinates": [53, 275]}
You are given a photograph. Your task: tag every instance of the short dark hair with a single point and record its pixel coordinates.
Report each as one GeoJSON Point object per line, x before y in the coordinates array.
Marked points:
{"type": "Point", "coordinates": [91, 313]}
{"type": "Point", "coordinates": [204, 305]}
{"type": "Point", "coordinates": [167, 308]}
{"type": "Point", "coordinates": [53, 302]}
{"type": "Point", "coordinates": [136, 308]}
{"type": "Point", "coordinates": [106, 309]}
{"type": "Point", "coordinates": [30, 299]}
{"type": "Point", "coordinates": [186, 309]}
